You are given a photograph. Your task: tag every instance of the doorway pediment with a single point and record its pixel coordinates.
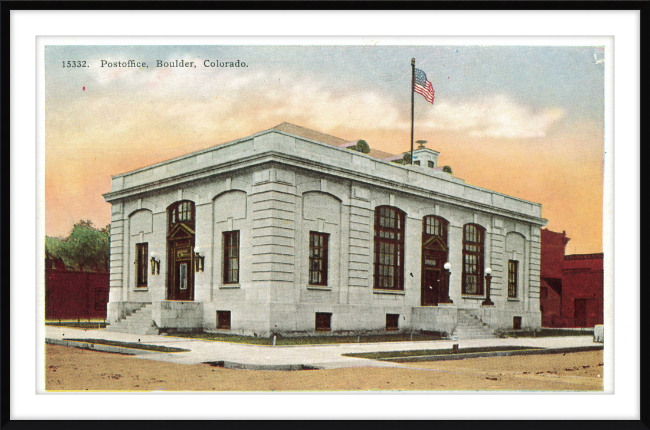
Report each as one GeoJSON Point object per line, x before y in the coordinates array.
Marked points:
{"type": "Point", "coordinates": [434, 242]}
{"type": "Point", "coordinates": [180, 231]}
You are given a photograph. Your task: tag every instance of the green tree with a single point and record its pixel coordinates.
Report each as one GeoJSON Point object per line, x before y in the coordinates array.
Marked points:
{"type": "Point", "coordinates": [85, 249]}
{"type": "Point", "coordinates": [361, 146]}
{"type": "Point", "coordinates": [447, 169]}
{"type": "Point", "coordinates": [407, 158]}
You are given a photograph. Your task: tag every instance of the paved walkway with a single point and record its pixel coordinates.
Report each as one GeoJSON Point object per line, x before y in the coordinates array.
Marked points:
{"type": "Point", "coordinates": [318, 356]}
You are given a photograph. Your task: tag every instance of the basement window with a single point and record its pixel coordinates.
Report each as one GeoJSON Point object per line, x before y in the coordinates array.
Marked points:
{"type": "Point", "coordinates": [323, 321]}
{"type": "Point", "coordinates": [392, 321]}
{"type": "Point", "coordinates": [516, 323]}
{"type": "Point", "coordinates": [223, 320]}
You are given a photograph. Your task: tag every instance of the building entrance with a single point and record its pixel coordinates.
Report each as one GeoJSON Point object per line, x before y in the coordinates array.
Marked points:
{"type": "Point", "coordinates": [431, 278]}
{"type": "Point", "coordinates": [180, 252]}
{"type": "Point", "coordinates": [434, 255]}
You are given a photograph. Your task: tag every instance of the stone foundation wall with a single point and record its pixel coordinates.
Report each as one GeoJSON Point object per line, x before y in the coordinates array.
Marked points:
{"type": "Point", "coordinates": [435, 318]}
{"type": "Point", "coordinates": [178, 315]}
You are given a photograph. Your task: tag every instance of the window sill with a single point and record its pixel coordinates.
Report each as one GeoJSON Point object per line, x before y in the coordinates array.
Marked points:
{"type": "Point", "coordinates": [398, 292]}
{"type": "Point", "coordinates": [472, 297]}
{"type": "Point", "coordinates": [514, 299]}
{"type": "Point", "coordinates": [141, 289]}
{"type": "Point", "coordinates": [229, 286]}
{"type": "Point", "coordinates": [319, 288]}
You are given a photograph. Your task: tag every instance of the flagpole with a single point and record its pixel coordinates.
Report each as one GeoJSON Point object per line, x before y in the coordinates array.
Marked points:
{"type": "Point", "coordinates": [412, 102]}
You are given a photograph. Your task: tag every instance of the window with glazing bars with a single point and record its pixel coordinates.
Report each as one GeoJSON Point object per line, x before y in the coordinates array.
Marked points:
{"type": "Point", "coordinates": [389, 248]}
{"type": "Point", "coordinates": [142, 253]}
{"type": "Point", "coordinates": [512, 278]}
{"type": "Point", "coordinates": [318, 258]}
{"type": "Point", "coordinates": [231, 257]}
{"type": "Point", "coordinates": [473, 236]}
{"type": "Point", "coordinates": [436, 226]}
{"type": "Point", "coordinates": [182, 212]}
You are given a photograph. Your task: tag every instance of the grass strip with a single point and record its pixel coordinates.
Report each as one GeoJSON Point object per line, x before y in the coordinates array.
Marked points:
{"type": "Point", "coordinates": [86, 325]}
{"type": "Point", "coordinates": [435, 352]}
{"type": "Point", "coordinates": [548, 332]}
{"type": "Point", "coordinates": [132, 345]}
{"type": "Point", "coordinates": [308, 340]}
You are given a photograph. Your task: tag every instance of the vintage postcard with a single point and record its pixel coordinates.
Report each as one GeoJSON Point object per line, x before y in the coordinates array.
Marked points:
{"type": "Point", "coordinates": [352, 215]}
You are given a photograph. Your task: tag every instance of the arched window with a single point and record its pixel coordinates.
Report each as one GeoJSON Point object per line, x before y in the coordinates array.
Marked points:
{"type": "Point", "coordinates": [389, 248]}
{"type": "Point", "coordinates": [473, 251]}
{"type": "Point", "coordinates": [435, 227]}
{"type": "Point", "coordinates": [181, 212]}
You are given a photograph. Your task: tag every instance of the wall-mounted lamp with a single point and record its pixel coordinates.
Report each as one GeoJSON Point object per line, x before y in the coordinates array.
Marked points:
{"type": "Point", "coordinates": [488, 280]}
{"type": "Point", "coordinates": [198, 261]}
{"type": "Point", "coordinates": [155, 263]}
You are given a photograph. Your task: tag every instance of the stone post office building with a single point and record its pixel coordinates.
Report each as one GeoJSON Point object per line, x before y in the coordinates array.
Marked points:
{"type": "Point", "coordinates": [288, 231]}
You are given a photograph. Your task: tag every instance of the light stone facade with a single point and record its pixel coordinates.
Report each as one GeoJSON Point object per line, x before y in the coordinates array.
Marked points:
{"type": "Point", "coordinates": [274, 188]}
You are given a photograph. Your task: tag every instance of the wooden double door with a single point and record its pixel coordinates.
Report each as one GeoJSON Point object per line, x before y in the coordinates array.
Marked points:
{"type": "Point", "coordinates": [180, 275]}
{"type": "Point", "coordinates": [432, 276]}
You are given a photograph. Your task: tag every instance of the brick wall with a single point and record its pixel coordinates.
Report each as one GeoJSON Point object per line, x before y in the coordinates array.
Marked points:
{"type": "Point", "coordinates": [72, 295]}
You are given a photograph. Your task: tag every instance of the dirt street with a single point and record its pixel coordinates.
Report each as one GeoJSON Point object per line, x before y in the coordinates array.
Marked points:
{"type": "Point", "coordinates": [81, 370]}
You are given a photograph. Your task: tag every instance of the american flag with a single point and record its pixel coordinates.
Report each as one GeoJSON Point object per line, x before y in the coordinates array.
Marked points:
{"type": "Point", "coordinates": [423, 86]}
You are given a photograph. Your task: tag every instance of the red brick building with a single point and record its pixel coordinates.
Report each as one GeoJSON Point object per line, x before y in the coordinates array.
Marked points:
{"type": "Point", "coordinates": [571, 286]}
{"type": "Point", "coordinates": [74, 295]}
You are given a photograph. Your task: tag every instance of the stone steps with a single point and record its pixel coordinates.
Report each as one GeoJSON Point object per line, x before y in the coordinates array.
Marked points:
{"type": "Point", "coordinates": [138, 322]}
{"type": "Point", "coordinates": [471, 327]}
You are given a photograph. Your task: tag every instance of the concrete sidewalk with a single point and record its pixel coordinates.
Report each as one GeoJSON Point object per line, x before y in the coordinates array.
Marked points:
{"type": "Point", "coordinates": [263, 357]}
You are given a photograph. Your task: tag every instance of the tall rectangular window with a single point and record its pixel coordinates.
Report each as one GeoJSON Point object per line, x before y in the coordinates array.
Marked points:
{"type": "Point", "coordinates": [318, 258]}
{"type": "Point", "coordinates": [512, 278]}
{"type": "Point", "coordinates": [231, 257]}
{"type": "Point", "coordinates": [142, 254]}
{"type": "Point", "coordinates": [473, 238]}
{"type": "Point", "coordinates": [389, 248]}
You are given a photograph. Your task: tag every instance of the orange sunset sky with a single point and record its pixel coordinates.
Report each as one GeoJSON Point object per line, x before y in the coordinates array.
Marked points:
{"type": "Point", "coordinates": [523, 121]}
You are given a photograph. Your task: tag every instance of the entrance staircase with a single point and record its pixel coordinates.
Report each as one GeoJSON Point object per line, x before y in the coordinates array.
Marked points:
{"type": "Point", "coordinates": [469, 326]}
{"type": "Point", "coordinates": [139, 321]}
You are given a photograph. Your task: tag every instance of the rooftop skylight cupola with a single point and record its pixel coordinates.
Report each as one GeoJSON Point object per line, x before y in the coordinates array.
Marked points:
{"type": "Point", "coordinates": [424, 156]}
